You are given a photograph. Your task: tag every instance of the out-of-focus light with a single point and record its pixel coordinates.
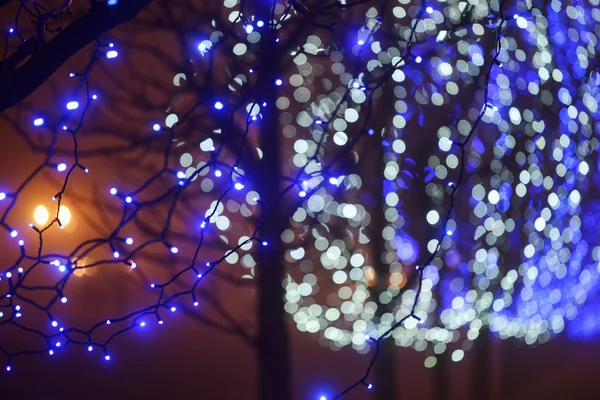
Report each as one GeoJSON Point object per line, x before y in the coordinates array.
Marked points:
{"type": "Point", "coordinates": [129, 240]}
{"type": "Point", "coordinates": [195, 304]}
{"type": "Point", "coordinates": [113, 191]}
{"type": "Point", "coordinates": [361, 42]}
{"type": "Point", "coordinates": [302, 193]}
{"type": "Point", "coordinates": [218, 173]}
{"type": "Point", "coordinates": [38, 122]}
{"type": "Point", "coordinates": [112, 54]}
{"type": "Point", "coordinates": [116, 254]}
{"type": "Point", "coordinates": [218, 105]}
{"type": "Point", "coordinates": [418, 59]}
{"type": "Point", "coordinates": [173, 309]}
{"type": "Point", "coordinates": [260, 24]}
{"type": "Point", "coordinates": [13, 233]}
{"type": "Point", "coordinates": [174, 250]}
{"type": "Point", "coordinates": [156, 127]}
{"type": "Point", "coordinates": [201, 47]}
{"type": "Point", "coordinates": [21, 243]}
{"type": "Point", "coordinates": [63, 300]}
{"type": "Point", "coordinates": [64, 215]}
{"type": "Point", "coordinates": [180, 174]}
{"type": "Point", "coordinates": [107, 357]}
{"type": "Point", "coordinates": [449, 233]}
{"type": "Point", "coordinates": [128, 199]}
{"type": "Point", "coordinates": [41, 215]}
{"type": "Point", "coordinates": [278, 82]}
{"type": "Point", "coordinates": [90, 348]}
{"type": "Point", "coordinates": [333, 180]}
{"type": "Point", "coordinates": [72, 105]}
{"type": "Point", "coordinates": [142, 324]}
{"type": "Point", "coordinates": [112, 2]}
{"type": "Point", "coordinates": [264, 243]}
{"type": "Point", "coordinates": [54, 324]}
{"type": "Point", "coordinates": [61, 167]}
{"type": "Point", "coordinates": [2, 195]}
{"type": "Point", "coordinates": [249, 29]}
{"type": "Point", "coordinates": [9, 274]}
{"type": "Point", "coordinates": [429, 10]}
{"type": "Point", "coordinates": [238, 186]}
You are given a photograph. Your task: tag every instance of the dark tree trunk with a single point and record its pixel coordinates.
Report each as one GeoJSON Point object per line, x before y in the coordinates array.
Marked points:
{"type": "Point", "coordinates": [272, 340]}
{"type": "Point", "coordinates": [481, 375]}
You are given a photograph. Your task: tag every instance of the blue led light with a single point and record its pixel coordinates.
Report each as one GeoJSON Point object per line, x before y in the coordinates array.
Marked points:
{"type": "Point", "coordinates": [61, 167]}
{"type": "Point", "coordinates": [72, 105]}
{"type": "Point", "coordinates": [156, 127]}
{"type": "Point", "coordinates": [218, 105]}
{"type": "Point", "coordinates": [38, 122]}
{"type": "Point", "coordinates": [112, 54]}
{"type": "Point", "coordinates": [174, 250]}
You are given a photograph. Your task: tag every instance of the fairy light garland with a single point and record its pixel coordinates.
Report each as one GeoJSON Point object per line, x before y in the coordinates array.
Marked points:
{"type": "Point", "coordinates": [315, 177]}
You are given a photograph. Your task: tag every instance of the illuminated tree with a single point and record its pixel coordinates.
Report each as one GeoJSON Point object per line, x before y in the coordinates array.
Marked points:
{"type": "Point", "coordinates": [404, 139]}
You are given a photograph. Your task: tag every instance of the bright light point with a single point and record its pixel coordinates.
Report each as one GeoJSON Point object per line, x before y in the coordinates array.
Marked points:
{"type": "Point", "coordinates": [129, 240]}
{"type": "Point", "coordinates": [264, 103]}
{"type": "Point", "coordinates": [65, 128]}
{"type": "Point", "coordinates": [2, 195]}
{"type": "Point", "coordinates": [218, 173]}
{"type": "Point", "coordinates": [9, 274]}
{"type": "Point", "coordinates": [116, 254]}
{"type": "Point", "coordinates": [8, 367]}
{"type": "Point", "coordinates": [113, 191]}
{"type": "Point", "coordinates": [21, 242]}
{"type": "Point", "coordinates": [418, 59]}
{"type": "Point", "coordinates": [71, 75]}
{"type": "Point", "coordinates": [112, 54]}
{"type": "Point", "coordinates": [208, 264]}
{"type": "Point", "coordinates": [63, 300]}
{"type": "Point", "coordinates": [264, 243]}
{"type": "Point", "coordinates": [64, 215]}
{"type": "Point", "coordinates": [90, 348]}
{"type": "Point", "coordinates": [203, 225]}
{"type": "Point", "coordinates": [180, 174]}
{"type": "Point", "coordinates": [302, 193]}
{"type": "Point", "coordinates": [450, 184]}
{"type": "Point", "coordinates": [218, 105]}
{"type": "Point", "coordinates": [62, 268]}
{"type": "Point", "coordinates": [57, 344]}
{"type": "Point", "coordinates": [516, 16]}
{"type": "Point", "coordinates": [199, 275]}
{"type": "Point", "coordinates": [152, 285]}
{"type": "Point", "coordinates": [72, 105]}
{"type": "Point", "coordinates": [278, 82]}
{"type": "Point", "coordinates": [322, 398]}
{"type": "Point", "coordinates": [238, 186]}
{"type": "Point", "coordinates": [142, 324]}
{"type": "Point", "coordinates": [355, 85]}
{"type": "Point", "coordinates": [11, 30]}
{"type": "Point", "coordinates": [201, 47]}
{"type": "Point", "coordinates": [108, 322]}
{"type": "Point", "coordinates": [370, 386]}
{"type": "Point", "coordinates": [13, 233]}
{"type": "Point", "coordinates": [156, 127]}
{"type": "Point", "coordinates": [195, 304]}
{"type": "Point", "coordinates": [249, 29]}
{"type": "Point", "coordinates": [260, 24]}
{"type": "Point", "coordinates": [38, 121]}
{"type": "Point", "coordinates": [361, 42]}
{"type": "Point", "coordinates": [160, 322]}
{"type": "Point", "coordinates": [333, 181]}
{"type": "Point", "coordinates": [173, 309]}
{"type": "Point", "coordinates": [61, 167]}
{"type": "Point", "coordinates": [112, 2]}
{"type": "Point", "coordinates": [449, 233]}
{"type": "Point", "coordinates": [174, 250]}
{"type": "Point", "coordinates": [128, 199]}
{"type": "Point", "coordinates": [50, 352]}
{"type": "Point", "coordinates": [107, 357]}
{"type": "Point", "coordinates": [54, 324]}
{"type": "Point", "coordinates": [133, 265]}
{"type": "Point", "coordinates": [94, 96]}
{"type": "Point", "coordinates": [429, 10]}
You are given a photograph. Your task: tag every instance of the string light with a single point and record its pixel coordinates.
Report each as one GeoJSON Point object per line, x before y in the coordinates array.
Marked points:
{"type": "Point", "coordinates": [314, 150]}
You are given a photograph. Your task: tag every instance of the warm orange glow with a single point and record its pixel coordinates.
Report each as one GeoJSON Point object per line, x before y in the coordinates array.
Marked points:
{"type": "Point", "coordinates": [41, 215]}
{"type": "Point", "coordinates": [64, 215]}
